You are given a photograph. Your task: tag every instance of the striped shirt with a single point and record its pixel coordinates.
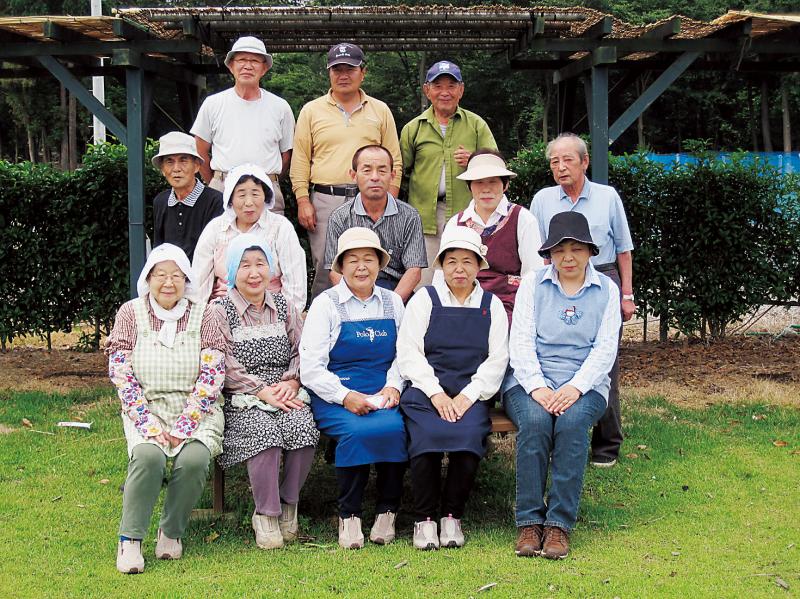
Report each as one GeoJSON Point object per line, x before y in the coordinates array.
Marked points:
{"type": "Point", "coordinates": [399, 229]}
{"type": "Point", "coordinates": [189, 200]}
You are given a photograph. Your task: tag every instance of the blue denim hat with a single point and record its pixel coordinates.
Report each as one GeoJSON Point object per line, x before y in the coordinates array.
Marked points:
{"type": "Point", "coordinates": [444, 67]}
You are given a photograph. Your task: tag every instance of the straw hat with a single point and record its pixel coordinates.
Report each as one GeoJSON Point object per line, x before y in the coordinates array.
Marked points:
{"type": "Point", "coordinates": [250, 44]}
{"type": "Point", "coordinates": [173, 143]}
{"type": "Point", "coordinates": [358, 238]}
{"type": "Point", "coordinates": [461, 238]}
{"type": "Point", "coordinates": [484, 166]}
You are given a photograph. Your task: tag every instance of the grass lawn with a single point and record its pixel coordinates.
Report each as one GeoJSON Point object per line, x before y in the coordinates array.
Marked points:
{"type": "Point", "coordinates": [706, 504]}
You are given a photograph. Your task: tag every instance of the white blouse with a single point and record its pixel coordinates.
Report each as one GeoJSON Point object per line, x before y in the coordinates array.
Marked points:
{"type": "Point", "coordinates": [411, 344]}
{"type": "Point", "coordinates": [321, 331]}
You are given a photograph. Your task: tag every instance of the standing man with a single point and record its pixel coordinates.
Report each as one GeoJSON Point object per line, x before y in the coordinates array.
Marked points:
{"type": "Point", "coordinates": [181, 213]}
{"type": "Point", "coordinates": [329, 131]}
{"type": "Point", "coordinates": [602, 207]}
{"type": "Point", "coordinates": [397, 224]}
{"type": "Point", "coordinates": [245, 124]}
{"type": "Point", "coordinates": [436, 147]}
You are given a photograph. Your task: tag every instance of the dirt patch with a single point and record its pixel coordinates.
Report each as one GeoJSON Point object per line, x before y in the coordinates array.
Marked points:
{"type": "Point", "coordinates": [59, 370]}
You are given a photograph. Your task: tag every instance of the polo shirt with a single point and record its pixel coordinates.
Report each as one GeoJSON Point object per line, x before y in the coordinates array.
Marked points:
{"type": "Point", "coordinates": [181, 222]}
{"type": "Point", "coordinates": [399, 229]}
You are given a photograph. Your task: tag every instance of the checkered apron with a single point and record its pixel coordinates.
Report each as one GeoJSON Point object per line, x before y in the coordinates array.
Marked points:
{"type": "Point", "coordinates": [167, 376]}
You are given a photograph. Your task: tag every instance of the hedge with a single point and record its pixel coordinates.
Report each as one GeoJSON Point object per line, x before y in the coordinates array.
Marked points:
{"type": "Point", "coordinates": [713, 240]}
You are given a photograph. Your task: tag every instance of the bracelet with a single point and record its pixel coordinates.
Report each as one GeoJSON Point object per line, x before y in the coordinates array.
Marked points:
{"type": "Point", "coordinates": [628, 296]}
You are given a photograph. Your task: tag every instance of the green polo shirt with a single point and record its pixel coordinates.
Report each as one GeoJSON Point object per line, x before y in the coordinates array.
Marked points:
{"type": "Point", "coordinates": [424, 149]}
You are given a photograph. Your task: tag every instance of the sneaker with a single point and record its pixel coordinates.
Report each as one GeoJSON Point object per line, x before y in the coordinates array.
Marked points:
{"type": "Point", "coordinates": [167, 548]}
{"type": "Point", "coordinates": [529, 541]}
{"type": "Point", "coordinates": [350, 535]}
{"type": "Point", "coordinates": [268, 532]}
{"type": "Point", "coordinates": [287, 522]}
{"type": "Point", "coordinates": [382, 532]}
{"type": "Point", "coordinates": [604, 462]}
{"type": "Point", "coordinates": [450, 534]}
{"type": "Point", "coordinates": [425, 535]}
{"type": "Point", "coordinates": [129, 557]}
{"type": "Point", "coordinates": [556, 543]}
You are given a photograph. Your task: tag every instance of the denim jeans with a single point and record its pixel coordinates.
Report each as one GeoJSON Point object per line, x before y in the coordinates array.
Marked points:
{"type": "Point", "coordinates": [540, 437]}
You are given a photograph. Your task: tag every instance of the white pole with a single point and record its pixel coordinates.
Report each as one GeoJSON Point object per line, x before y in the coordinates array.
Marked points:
{"type": "Point", "coordinates": [98, 86]}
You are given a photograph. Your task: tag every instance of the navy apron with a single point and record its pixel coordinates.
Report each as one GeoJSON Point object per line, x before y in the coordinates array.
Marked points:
{"type": "Point", "coordinates": [456, 344]}
{"type": "Point", "coordinates": [361, 357]}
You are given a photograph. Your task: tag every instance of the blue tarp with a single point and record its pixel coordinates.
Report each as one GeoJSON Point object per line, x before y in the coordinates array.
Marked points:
{"type": "Point", "coordinates": [785, 162]}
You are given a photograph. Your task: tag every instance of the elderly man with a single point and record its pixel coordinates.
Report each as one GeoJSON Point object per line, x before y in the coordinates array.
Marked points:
{"type": "Point", "coordinates": [397, 224]}
{"type": "Point", "coordinates": [436, 146]}
{"type": "Point", "coordinates": [329, 130]}
{"type": "Point", "coordinates": [181, 213]}
{"type": "Point", "coordinates": [602, 207]}
{"type": "Point", "coordinates": [245, 124]}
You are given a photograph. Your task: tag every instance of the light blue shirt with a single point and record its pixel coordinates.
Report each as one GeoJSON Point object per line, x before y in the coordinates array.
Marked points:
{"type": "Point", "coordinates": [602, 207]}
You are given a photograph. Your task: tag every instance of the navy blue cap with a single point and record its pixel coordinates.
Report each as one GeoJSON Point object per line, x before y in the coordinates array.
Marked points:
{"type": "Point", "coordinates": [444, 67]}
{"type": "Point", "coordinates": [345, 53]}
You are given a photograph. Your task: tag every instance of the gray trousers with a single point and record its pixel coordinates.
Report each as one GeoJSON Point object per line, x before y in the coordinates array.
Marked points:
{"type": "Point", "coordinates": [145, 474]}
{"type": "Point", "coordinates": [323, 204]}
{"type": "Point", "coordinates": [432, 243]}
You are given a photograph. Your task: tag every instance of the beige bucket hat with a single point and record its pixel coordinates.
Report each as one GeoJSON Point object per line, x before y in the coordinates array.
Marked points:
{"type": "Point", "coordinates": [484, 166]}
{"type": "Point", "coordinates": [465, 239]}
{"type": "Point", "coordinates": [173, 143]}
{"type": "Point", "coordinates": [250, 44]}
{"type": "Point", "coordinates": [357, 238]}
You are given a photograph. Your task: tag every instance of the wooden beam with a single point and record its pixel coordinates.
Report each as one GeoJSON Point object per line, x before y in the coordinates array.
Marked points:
{"type": "Point", "coordinates": [176, 72]}
{"type": "Point", "coordinates": [599, 30]}
{"type": "Point", "coordinates": [59, 33]}
{"type": "Point", "coordinates": [603, 55]}
{"type": "Point", "coordinates": [521, 45]}
{"type": "Point", "coordinates": [130, 30]}
{"type": "Point", "coordinates": [98, 48]}
{"type": "Point", "coordinates": [664, 30]}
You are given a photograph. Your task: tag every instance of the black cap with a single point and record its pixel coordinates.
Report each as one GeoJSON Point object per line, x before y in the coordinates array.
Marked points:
{"type": "Point", "coordinates": [568, 225]}
{"type": "Point", "coordinates": [345, 53]}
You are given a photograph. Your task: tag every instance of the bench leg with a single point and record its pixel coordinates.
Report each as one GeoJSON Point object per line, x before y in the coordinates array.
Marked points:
{"type": "Point", "coordinates": [218, 486]}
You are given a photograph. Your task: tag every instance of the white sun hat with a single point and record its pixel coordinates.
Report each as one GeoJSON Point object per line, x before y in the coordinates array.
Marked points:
{"type": "Point", "coordinates": [250, 44]}
{"type": "Point", "coordinates": [461, 238]}
{"type": "Point", "coordinates": [173, 143]}
{"type": "Point", "coordinates": [484, 166]}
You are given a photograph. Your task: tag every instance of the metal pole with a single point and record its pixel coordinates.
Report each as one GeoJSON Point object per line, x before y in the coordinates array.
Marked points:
{"type": "Point", "coordinates": [98, 86]}
{"type": "Point", "coordinates": [136, 245]}
{"type": "Point", "coordinates": [599, 124]}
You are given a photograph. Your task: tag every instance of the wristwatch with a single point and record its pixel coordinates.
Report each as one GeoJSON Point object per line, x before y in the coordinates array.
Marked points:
{"type": "Point", "coordinates": [628, 296]}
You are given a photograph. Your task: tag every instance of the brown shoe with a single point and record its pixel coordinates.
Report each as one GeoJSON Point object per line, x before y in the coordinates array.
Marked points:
{"type": "Point", "coordinates": [529, 541]}
{"type": "Point", "coordinates": [556, 543]}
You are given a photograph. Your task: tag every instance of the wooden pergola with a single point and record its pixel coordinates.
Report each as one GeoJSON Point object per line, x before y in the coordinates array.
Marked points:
{"type": "Point", "coordinates": [183, 45]}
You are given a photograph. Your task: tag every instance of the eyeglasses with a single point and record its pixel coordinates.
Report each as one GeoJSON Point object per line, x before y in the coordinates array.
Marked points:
{"type": "Point", "coordinates": [174, 278]}
{"type": "Point", "coordinates": [253, 62]}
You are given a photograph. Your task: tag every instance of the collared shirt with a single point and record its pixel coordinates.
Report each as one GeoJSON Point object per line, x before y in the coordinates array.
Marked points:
{"type": "Point", "coordinates": [182, 222]}
{"type": "Point", "coordinates": [425, 149]}
{"type": "Point", "coordinates": [399, 229]}
{"type": "Point", "coordinates": [602, 207]}
{"type": "Point", "coordinates": [190, 199]}
{"type": "Point", "coordinates": [523, 341]}
{"type": "Point", "coordinates": [411, 344]}
{"type": "Point", "coordinates": [321, 331]}
{"type": "Point", "coordinates": [237, 379]}
{"type": "Point", "coordinates": [327, 136]}
{"type": "Point", "coordinates": [242, 130]}
{"type": "Point", "coordinates": [209, 262]}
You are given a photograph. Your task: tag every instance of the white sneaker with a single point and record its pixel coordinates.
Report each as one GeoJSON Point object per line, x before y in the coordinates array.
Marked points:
{"type": "Point", "coordinates": [268, 532]}
{"type": "Point", "coordinates": [425, 535]}
{"type": "Point", "coordinates": [288, 522]}
{"type": "Point", "coordinates": [450, 534]}
{"type": "Point", "coordinates": [382, 532]}
{"type": "Point", "coordinates": [167, 548]}
{"type": "Point", "coordinates": [350, 535]}
{"type": "Point", "coordinates": [129, 557]}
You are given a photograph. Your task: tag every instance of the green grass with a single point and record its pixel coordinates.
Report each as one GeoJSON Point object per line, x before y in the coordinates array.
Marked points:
{"type": "Point", "coordinates": [711, 508]}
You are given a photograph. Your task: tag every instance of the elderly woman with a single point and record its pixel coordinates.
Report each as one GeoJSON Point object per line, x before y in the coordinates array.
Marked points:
{"type": "Point", "coordinates": [509, 231]}
{"type": "Point", "coordinates": [563, 344]}
{"type": "Point", "coordinates": [266, 411]}
{"type": "Point", "coordinates": [248, 198]}
{"type": "Point", "coordinates": [167, 361]}
{"type": "Point", "coordinates": [347, 361]}
{"type": "Point", "coordinates": [452, 348]}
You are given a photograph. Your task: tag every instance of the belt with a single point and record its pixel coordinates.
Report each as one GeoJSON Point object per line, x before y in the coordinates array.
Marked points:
{"type": "Point", "coordinates": [222, 174]}
{"type": "Point", "coordinates": [348, 191]}
{"type": "Point", "coordinates": [387, 277]}
{"type": "Point", "coordinates": [605, 267]}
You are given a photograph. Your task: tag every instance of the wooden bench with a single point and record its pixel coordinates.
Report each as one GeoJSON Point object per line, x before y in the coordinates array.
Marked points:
{"type": "Point", "coordinates": [501, 424]}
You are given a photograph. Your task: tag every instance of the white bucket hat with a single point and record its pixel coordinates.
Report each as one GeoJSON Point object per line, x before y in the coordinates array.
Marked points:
{"type": "Point", "coordinates": [484, 166]}
{"type": "Point", "coordinates": [250, 44]}
{"type": "Point", "coordinates": [232, 178]}
{"type": "Point", "coordinates": [356, 238]}
{"type": "Point", "coordinates": [173, 143]}
{"type": "Point", "coordinates": [461, 238]}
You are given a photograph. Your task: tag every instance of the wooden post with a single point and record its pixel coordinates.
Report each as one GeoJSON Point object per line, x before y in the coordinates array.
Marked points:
{"type": "Point", "coordinates": [765, 133]}
{"type": "Point", "coordinates": [787, 123]}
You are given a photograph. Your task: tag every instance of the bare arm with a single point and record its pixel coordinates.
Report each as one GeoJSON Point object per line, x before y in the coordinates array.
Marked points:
{"type": "Point", "coordinates": [625, 267]}
{"type": "Point", "coordinates": [286, 161]}
{"type": "Point", "coordinates": [409, 280]}
{"type": "Point", "coordinates": [204, 149]}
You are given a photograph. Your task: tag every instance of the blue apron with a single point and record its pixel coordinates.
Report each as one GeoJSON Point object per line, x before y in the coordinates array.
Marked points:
{"type": "Point", "coordinates": [456, 344]}
{"type": "Point", "coordinates": [361, 357]}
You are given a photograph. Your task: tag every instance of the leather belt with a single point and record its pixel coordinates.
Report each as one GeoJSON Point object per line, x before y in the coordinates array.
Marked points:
{"type": "Point", "coordinates": [348, 191]}
{"type": "Point", "coordinates": [605, 267]}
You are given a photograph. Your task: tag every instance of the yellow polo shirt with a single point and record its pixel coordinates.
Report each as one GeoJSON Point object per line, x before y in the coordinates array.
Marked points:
{"type": "Point", "coordinates": [326, 138]}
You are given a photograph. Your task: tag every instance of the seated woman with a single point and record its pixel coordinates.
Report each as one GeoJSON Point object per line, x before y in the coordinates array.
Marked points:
{"type": "Point", "coordinates": [248, 198]}
{"type": "Point", "coordinates": [347, 361]}
{"type": "Point", "coordinates": [452, 348]}
{"type": "Point", "coordinates": [509, 231]}
{"type": "Point", "coordinates": [167, 361]}
{"type": "Point", "coordinates": [266, 411]}
{"type": "Point", "coordinates": [563, 344]}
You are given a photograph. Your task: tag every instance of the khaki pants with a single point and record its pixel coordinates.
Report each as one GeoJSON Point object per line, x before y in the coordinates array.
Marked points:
{"type": "Point", "coordinates": [432, 243]}
{"type": "Point", "coordinates": [323, 204]}
{"type": "Point", "coordinates": [218, 183]}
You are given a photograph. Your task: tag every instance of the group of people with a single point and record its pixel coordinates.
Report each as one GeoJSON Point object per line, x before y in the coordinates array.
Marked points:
{"type": "Point", "coordinates": [429, 305]}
